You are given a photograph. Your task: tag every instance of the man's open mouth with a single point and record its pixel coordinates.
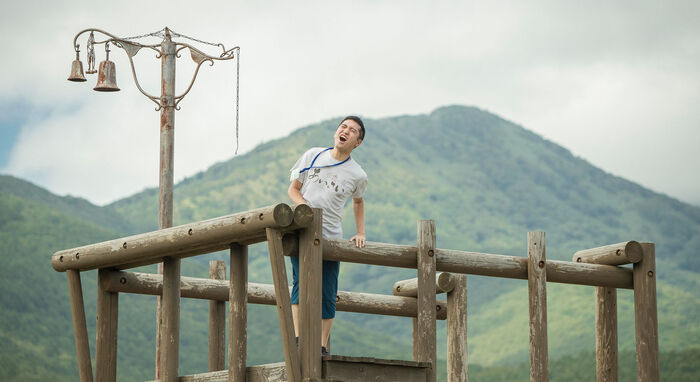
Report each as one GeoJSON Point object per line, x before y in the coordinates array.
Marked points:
{"type": "Point", "coordinates": [342, 138]}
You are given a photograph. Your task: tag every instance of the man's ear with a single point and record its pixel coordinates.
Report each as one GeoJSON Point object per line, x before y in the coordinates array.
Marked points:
{"type": "Point", "coordinates": [359, 141]}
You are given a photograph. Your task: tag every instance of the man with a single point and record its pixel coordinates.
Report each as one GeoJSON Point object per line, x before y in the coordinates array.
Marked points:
{"type": "Point", "coordinates": [325, 178]}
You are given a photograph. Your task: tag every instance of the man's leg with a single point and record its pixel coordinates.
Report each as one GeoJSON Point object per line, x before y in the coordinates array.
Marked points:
{"type": "Point", "coordinates": [295, 294]}
{"type": "Point", "coordinates": [326, 326]}
{"type": "Point", "coordinates": [330, 292]}
{"type": "Point", "coordinates": [295, 318]}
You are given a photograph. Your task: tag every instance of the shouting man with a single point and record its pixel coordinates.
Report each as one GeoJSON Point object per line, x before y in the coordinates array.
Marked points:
{"type": "Point", "coordinates": [325, 178]}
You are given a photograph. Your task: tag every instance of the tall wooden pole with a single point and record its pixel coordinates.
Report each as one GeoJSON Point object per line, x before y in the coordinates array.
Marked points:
{"type": "Point", "coordinates": [217, 321]}
{"type": "Point", "coordinates": [537, 291]}
{"type": "Point", "coordinates": [606, 369]}
{"type": "Point", "coordinates": [82, 346]}
{"type": "Point", "coordinates": [457, 331]}
{"type": "Point", "coordinates": [284, 307]}
{"type": "Point", "coordinates": [424, 328]}
{"type": "Point", "coordinates": [645, 316]}
{"type": "Point", "coordinates": [107, 324]}
{"type": "Point", "coordinates": [170, 267]}
{"type": "Point", "coordinates": [238, 313]}
{"type": "Point", "coordinates": [310, 280]}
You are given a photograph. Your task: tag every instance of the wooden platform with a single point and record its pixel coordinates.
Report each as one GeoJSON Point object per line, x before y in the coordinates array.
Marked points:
{"type": "Point", "coordinates": [336, 368]}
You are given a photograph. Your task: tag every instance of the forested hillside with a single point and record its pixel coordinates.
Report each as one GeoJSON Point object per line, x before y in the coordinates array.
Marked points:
{"type": "Point", "coordinates": [485, 181]}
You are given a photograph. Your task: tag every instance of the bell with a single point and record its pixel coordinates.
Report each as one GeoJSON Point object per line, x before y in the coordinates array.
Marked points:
{"type": "Point", "coordinates": [106, 77]}
{"type": "Point", "coordinates": [76, 70]}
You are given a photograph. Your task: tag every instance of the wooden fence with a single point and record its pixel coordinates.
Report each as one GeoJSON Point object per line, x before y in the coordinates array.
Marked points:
{"type": "Point", "coordinates": [297, 232]}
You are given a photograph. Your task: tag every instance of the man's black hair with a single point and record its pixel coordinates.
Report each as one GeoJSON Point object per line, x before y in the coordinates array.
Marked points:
{"type": "Point", "coordinates": [357, 120]}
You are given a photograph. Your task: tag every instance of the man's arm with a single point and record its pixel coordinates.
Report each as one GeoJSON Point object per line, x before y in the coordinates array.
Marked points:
{"type": "Point", "coordinates": [294, 192]}
{"type": "Point", "coordinates": [358, 209]}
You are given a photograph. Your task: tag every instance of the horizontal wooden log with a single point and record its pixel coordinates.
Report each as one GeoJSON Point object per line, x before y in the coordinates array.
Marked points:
{"type": "Point", "coordinates": [264, 294]}
{"type": "Point", "coordinates": [565, 272]}
{"type": "Point", "coordinates": [444, 282]}
{"type": "Point", "coordinates": [628, 252]}
{"type": "Point", "coordinates": [176, 242]}
{"type": "Point", "coordinates": [471, 263]}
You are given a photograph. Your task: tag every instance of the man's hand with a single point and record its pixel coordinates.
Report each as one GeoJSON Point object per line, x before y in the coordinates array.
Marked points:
{"type": "Point", "coordinates": [359, 240]}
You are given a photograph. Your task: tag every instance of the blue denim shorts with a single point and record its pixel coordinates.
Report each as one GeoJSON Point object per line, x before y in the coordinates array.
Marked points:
{"type": "Point", "coordinates": [329, 286]}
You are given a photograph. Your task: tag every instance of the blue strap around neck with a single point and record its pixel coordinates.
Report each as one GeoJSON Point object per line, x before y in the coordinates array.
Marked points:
{"type": "Point", "coordinates": [330, 165]}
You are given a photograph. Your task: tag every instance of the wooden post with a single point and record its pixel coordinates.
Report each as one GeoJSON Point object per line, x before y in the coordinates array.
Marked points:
{"type": "Point", "coordinates": [238, 313]}
{"type": "Point", "coordinates": [170, 321]}
{"type": "Point", "coordinates": [107, 323]}
{"type": "Point", "coordinates": [217, 321]}
{"type": "Point", "coordinates": [645, 316]}
{"type": "Point", "coordinates": [537, 290]}
{"type": "Point", "coordinates": [284, 307]}
{"type": "Point", "coordinates": [424, 330]}
{"type": "Point", "coordinates": [82, 346]}
{"type": "Point", "coordinates": [310, 283]}
{"type": "Point", "coordinates": [606, 334]}
{"type": "Point", "coordinates": [457, 330]}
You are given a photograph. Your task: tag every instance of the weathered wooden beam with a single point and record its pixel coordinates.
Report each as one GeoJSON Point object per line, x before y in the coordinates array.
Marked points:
{"type": "Point", "coordinates": [444, 282]}
{"type": "Point", "coordinates": [606, 334]}
{"type": "Point", "coordinates": [176, 242]}
{"type": "Point", "coordinates": [515, 267]}
{"type": "Point", "coordinates": [82, 345]}
{"type": "Point", "coordinates": [237, 293]}
{"type": "Point", "coordinates": [473, 263]}
{"type": "Point", "coordinates": [207, 289]}
{"type": "Point", "coordinates": [170, 321]}
{"type": "Point", "coordinates": [537, 292]}
{"type": "Point", "coordinates": [628, 252]}
{"type": "Point", "coordinates": [311, 266]}
{"type": "Point", "coordinates": [424, 335]}
{"type": "Point", "coordinates": [646, 316]}
{"type": "Point", "coordinates": [284, 308]}
{"type": "Point", "coordinates": [217, 321]}
{"type": "Point", "coordinates": [107, 324]}
{"type": "Point", "coordinates": [457, 330]}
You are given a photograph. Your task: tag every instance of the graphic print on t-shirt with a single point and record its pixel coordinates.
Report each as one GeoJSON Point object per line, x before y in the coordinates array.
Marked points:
{"type": "Point", "coordinates": [330, 180]}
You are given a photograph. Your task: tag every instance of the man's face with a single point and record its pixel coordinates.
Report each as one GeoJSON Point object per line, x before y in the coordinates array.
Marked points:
{"type": "Point", "coordinates": [347, 136]}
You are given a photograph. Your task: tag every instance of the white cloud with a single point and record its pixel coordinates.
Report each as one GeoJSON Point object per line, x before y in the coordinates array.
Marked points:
{"type": "Point", "coordinates": [615, 82]}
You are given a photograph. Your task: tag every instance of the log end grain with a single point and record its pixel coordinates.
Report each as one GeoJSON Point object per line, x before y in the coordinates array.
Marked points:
{"type": "Point", "coordinates": [283, 215]}
{"type": "Point", "coordinates": [303, 215]}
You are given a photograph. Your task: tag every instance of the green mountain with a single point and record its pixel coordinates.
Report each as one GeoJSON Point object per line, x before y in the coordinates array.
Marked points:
{"type": "Point", "coordinates": [485, 181]}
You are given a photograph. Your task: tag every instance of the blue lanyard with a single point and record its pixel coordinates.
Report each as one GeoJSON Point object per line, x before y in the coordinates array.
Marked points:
{"type": "Point", "coordinates": [330, 165]}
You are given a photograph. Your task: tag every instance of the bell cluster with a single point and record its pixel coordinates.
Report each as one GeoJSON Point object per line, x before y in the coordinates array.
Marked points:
{"type": "Point", "coordinates": [106, 75]}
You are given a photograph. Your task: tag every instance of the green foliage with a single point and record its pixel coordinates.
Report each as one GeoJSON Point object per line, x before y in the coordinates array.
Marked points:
{"type": "Point", "coordinates": [484, 180]}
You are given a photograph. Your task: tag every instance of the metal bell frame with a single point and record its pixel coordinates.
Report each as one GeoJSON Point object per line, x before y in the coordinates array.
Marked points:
{"type": "Point", "coordinates": [132, 48]}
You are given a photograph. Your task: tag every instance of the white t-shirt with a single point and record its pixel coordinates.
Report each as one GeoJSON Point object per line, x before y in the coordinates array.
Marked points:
{"type": "Point", "coordinates": [329, 188]}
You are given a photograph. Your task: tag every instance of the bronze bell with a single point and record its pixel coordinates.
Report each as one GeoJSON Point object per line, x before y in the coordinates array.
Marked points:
{"type": "Point", "coordinates": [106, 76]}
{"type": "Point", "coordinates": [76, 70]}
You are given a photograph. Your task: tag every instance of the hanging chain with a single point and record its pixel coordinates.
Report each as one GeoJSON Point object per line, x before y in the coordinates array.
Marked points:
{"type": "Point", "coordinates": [238, 64]}
{"type": "Point", "coordinates": [160, 33]}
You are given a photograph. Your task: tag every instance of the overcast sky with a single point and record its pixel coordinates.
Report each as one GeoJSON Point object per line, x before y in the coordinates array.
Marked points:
{"type": "Point", "coordinates": [615, 82]}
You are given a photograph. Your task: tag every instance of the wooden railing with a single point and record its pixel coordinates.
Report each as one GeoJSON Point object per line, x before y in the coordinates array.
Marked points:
{"type": "Point", "coordinates": [297, 232]}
